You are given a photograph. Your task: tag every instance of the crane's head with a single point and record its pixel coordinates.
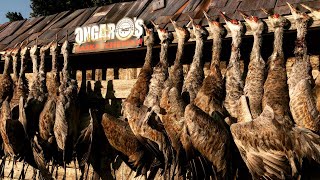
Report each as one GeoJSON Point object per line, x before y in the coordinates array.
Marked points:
{"type": "Point", "coordinates": [233, 24]}
{"type": "Point", "coordinates": [298, 15]}
{"type": "Point", "coordinates": [276, 20]}
{"type": "Point", "coordinates": [65, 47]}
{"type": "Point", "coordinates": [24, 50]}
{"type": "Point", "coordinates": [253, 21]}
{"type": "Point", "coordinates": [149, 40]}
{"type": "Point", "coordinates": [181, 32]}
{"type": "Point", "coordinates": [198, 31]}
{"type": "Point", "coordinates": [214, 26]}
{"type": "Point", "coordinates": [164, 35]}
{"type": "Point", "coordinates": [15, 50]}
{"type": "Point", "coordinates": [34, 49]}
{"type": "Point", "coordinates": [43, 49]}
{"type": "Point", "coordinates": [314, 12]}
{"type": "Point", "coordinates": [54, 47]}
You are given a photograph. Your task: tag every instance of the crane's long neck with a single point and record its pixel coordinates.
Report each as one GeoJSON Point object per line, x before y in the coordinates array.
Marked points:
{"type": "Point", "coordinates": [54, 69]}
{"type": "Point", "coordinates": [34, 59]}
{"type": "Point", "coordinates": [65, 70]}
{"type": "Point", "coordinates": [179, 54]}
{"type": "Point", "coordinates": [6, 65]}
{"type": "Point", "coordinates": [278, 41]}
{"type": "Point", "coordinates": [42, 73]}
{"type": "Point", "coordinates": [235, 51]}
{"type": "Point", "coordinates": [216, 51]}
{"type": "Point", "coordinates": [148, 59]}
{"type": "Point", "coordinates": [301, 44]}
{"type": "Point", "coordinates": [197, 58]}
{"type": "Point", "coordinates": [15, 66]}
{"type": "Point", "coordinates": [256, 48]}
{"type": "Point", "coordinates": [164, 53]}
{"type": "Point", "coordinates": [22, 65]}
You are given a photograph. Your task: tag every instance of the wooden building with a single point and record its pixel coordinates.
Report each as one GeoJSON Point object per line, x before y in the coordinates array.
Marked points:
{"type": "Point", "coordinates": [112, 71]}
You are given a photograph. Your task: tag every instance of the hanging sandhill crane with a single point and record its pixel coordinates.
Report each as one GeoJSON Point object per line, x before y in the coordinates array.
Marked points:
{"type": "Point", "coordinates": [21, 89]}
{"type": "Point", "coordinates": [140, 89]}
{"type": "Point", "coordinates": [38, 91]}
{"type": "Point", "coordinates": [6, 82]}
{"type": "Point", "coordinates": [212, 92]}
{"type": "Point", "coordinates": [316, 15]}
{"type": "Point", "coordinates": [15, 57]}
{"type": "Point", "coordinates": [275, 87]}
{"type": "Point", "coordinates": [195, 136]}
{"type": "Point", "coordinates": [128, 143]}
{"type": "Point", "coordinates": [155, 140]}
{"type": "Point", "coordinates": [15, 140]}
{"type": "Point", "coordinates": [302, 102]}
{"type": "Point", "coordinates": [270, 145]}
{"type": "Point", "coordinates": [66, 117]}
{"type": "Point", "coordinates": [234, 82]}
{"type": "Point", "coordinates": [253, 88]}
{"type": "Point", "coordinates": [171, 99]}
{"type": "Point", "coordinates": [194, 78]}
{"type": "Point", "coordinates": [47, 116]}
{"type": "Point", "coordinates": [160, 71]}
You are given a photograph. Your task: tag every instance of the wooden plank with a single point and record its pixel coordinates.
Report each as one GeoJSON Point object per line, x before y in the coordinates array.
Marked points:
{"type": "Point", "coordinates": [63, 22]}
{"type": "Point", "coordinates": [117, 12]}
{"type": "Point", "coordinates": [218, 4]}
{"type": "Point", "coordinates": [248, 5]}
{"type": "Point", "coordinates": [137, 8]}
{"type": "Point", "coordinates": [110, 73]}
{"type": "Point", "coordinates": [42, 24]}
{"type": "Point", "coordinates": [2, 26]}
{"type": "Point", "coordinates": [56, 19]}
{"type": "Point", "coordinates": [11, 28]}
{"type": "Point", "coordinates": [82, 18]}
{"type": "Point", "coordinates": [98, 14]}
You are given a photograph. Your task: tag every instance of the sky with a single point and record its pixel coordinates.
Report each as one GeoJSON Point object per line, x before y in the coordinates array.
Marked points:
{"type": "Point", "coordinates": [22, 6]}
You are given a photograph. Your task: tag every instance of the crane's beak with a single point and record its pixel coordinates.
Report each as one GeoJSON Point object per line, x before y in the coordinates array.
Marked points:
{"type": "Point", "coordinates": [308, 7]}
{"type": "Point", "coordinates": [293, 10]}
{"type": "Point", "coordinates": [206, 15]}
{"type": "Point", "coordinates": [154, 24]}
{"type": "Point", "coordinates": [243, 14]}
{"type": "Point", "coordinates": [266, 11]}
{"type": "Point", "coordinates": [174, 23]}
{"type": "Point", "coordinates": [226, 18]}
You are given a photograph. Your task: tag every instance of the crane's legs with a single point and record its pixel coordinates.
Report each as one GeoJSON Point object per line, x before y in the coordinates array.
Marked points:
{"type": "Point", "coordinates": [2, 166]}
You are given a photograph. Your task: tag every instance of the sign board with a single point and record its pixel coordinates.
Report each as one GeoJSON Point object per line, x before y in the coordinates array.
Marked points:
{"type": "Point", "coordinates": [126, 33]}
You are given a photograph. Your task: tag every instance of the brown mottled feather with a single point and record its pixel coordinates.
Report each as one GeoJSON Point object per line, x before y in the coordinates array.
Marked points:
{"type": "Point", "coordinates": [275, 88]}
{"type": "Point", "coordinates": [171, 100]}
{"type": "Point", "coordinates": [302, 102]}
{"type": "Point", "coordinates": [126, 143]}
{"type": "Point", "coordinates": [203, 131]}
{"type": "Point", "coordinates": [270, 149]}
{"type": "Point", "coordinates": [141, 87]}
{"type": "Point", "coordinates": [234, 82]}
{"type": "Point", "coordinates": [7, 86]}
{"type": "Point", "coordinates": [253, 88]}
{"type": "Point", "coordinates": [193, 81]}
{"type": "Point", "coordinates": [212, 92]}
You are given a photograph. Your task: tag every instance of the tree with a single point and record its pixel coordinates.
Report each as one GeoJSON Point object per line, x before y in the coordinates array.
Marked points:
{"type": "Point", "coordinates": [48, 7]}
{"type": "Point", "coordinates": [14, 16]}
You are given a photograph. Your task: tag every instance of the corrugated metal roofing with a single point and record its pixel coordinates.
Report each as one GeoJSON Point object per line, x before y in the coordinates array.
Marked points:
{"type": "Point", "coordinates": [47, 28]}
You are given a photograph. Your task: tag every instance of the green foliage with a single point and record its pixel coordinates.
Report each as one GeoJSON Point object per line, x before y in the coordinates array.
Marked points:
{"type": "Point", "coordinates": [48, 7]}
{"type": "Point", "coordinates": [14, 16]}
